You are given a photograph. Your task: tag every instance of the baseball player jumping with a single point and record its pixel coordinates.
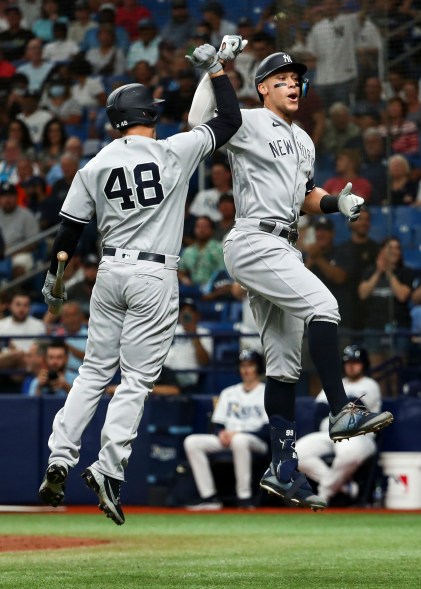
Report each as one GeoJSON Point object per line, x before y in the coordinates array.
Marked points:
{"type": "Point", "coordinates": [272, 162]}
{"type": "Point", "coordinates": [137, 187]}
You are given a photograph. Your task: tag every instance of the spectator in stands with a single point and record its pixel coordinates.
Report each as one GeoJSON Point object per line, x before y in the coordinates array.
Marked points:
{"type": "Point", "coordinates": [386, 288]}
{"type": "Point", "coordinates": [53, 378]}
{"type": "Point", "coordinates": [74, 146]}
{"type": "Point", "coordinates": [18, 131]}
{"type": "Point", "coordinates": [339, 129]}
{"type": "Point", "coordinates": [371, 100]}
{"type": "Point", "coordinates": [62, 105]}
{"type": "Point", "coordinates": [31, 9]}
{"type": "Point", "coordinates": [314, 447]}
{"type": "Point", "coordinates": [213, 13]}
{"type": "Point", "coordinates": [10, 157]}
{"type": "Point", "coordinates": [402, 132]}
{"type": "Point", "coordinates": [13, 41]}
{"type": "Point", "coordinates": [43, 26]}
{"type": "Point", "coordinates": [81, 291]}
{"type": "Point", "coordinates": [106, 14]}
{"type": "Point", "coordinates": [261, 46]}
{"type": "Point", "coordinates": [35, 68]}
{"type": "Point", "coordinates": [361, 251]}
{"type": "Point", "coordinates": [395, 26]}
{"type": "Point", "coordinates": [336, 70]}
{"type": "Point", "coordinates": [413, 103]}
{"type": "Point", "coordinates": [128, 14]}
{"type": "Point", "coordinates": [374, 165]}
{"type": "Point", "coordinates": [241, 426]}
{"type": "Point", "coordinates": [69, 165]}
{"type": "Point", "coordinates": [74, 331]}
{"type": "Point", "coordinates": [403, 190]}
{"type": "Point", "coordinates": [37, 198]}
{"type": "Point", "coordinates": [87, 90]}
{"type": "Point", "coordinates": [199, 260]}
{"type": "Point", "coordinates": [146, 46]}
{"type": "Point", "coordinates": [81, 23]}
{"type": "Point", "coordinates": [178, 97]}
{"type": "Point", "coordinates": [311, 116]}
{"type": "Point", "coordinates": [19, 84]}
{"type": "Point", "coordinates": [21, 323]}
{"type": "Point", "coordinates": [60, 49]}
{"type": "Point", "coordinates": [106, 59]}
{"type": "Point", "coordinates": [192, 347]}
{"type": "Point", "coordinates": [33, 116]}
{"type": "Point", "coordinates": [329, 264]}
{"type": "Point", "coordinates": [180, 24]}
{"type": "Point", "coordinates": [26, 169]}
{"type": "Point", "coordinates": [370, 56]}
{"type": "Point", "coordinates": [144, 73]}
{"type": "Point", "coordinates": [17, 224]}
{"type": "Point", "coordinates": [205, 202]}
{"type": "Point", "coordinates": [52, 145]}
{"type": "Point", "coordinates": [34, 363]}
{"type": "Point", "coordinates": [7, 69]}
{"type": "Point", "coordinates": [348, 163]}
{"type": "Point", "coordinates": [226, 208]}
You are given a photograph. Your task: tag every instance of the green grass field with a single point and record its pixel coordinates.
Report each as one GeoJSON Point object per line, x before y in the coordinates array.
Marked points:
{"type": "Point", "coordinates": [251, 551]}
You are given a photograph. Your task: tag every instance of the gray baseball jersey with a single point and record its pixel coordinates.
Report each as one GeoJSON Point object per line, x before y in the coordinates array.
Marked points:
{"type": "Point", "coordinates": [139, 202]}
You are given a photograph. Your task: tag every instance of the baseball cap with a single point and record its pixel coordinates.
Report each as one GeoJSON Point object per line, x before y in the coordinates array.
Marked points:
{"type": "Point", "coordinates": [35, 181]}
{"type": "Point", "coordinates": [7, 188]}
{"type": "Point", "coordinates": [324, 223]}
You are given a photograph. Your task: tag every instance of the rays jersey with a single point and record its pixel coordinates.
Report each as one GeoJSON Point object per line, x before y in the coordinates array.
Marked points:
{"type": "Point", "coordinates": [139, 204]}
{"type": "Point", "coordinates": [241, 411]}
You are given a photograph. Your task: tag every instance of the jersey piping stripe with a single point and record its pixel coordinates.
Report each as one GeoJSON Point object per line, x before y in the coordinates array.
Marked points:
{"type": "Point", "coordinates": [212, 135]}
{"type": "Point", "coordinates": [72, 218]}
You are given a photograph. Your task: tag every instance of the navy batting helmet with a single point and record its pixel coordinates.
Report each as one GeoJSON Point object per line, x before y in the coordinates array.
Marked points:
{"type": "Point", "coordinates": [252, 356]}
{"type": "Point", "coordinates": [277, 61]}
{"type": "Point", "coordinates": [355, 353]}
{"type": "Point", "coordinates": [132, 104]}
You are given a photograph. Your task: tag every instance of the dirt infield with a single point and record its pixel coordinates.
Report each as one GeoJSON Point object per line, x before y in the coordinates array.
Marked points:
{"type": "Point", "coordinates": [20, 543]}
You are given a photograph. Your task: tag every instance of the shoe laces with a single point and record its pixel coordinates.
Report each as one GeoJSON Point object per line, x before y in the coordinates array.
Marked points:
{"type": "Point", "coordinates": [353, 408]}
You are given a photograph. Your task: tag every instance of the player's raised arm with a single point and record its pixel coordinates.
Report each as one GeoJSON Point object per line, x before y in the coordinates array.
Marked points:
{"type": "Point", "coordinates": [229, 118]}
{"type": "Point", "coordinates": [204, 105]}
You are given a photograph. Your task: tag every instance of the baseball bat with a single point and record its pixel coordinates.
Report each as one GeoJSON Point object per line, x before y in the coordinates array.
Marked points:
{"type": "Point", "coordinates": [57, 290]}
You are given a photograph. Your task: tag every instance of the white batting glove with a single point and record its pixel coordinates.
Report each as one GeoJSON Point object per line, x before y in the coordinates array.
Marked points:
{"type": "Point", "coordinates": [231, 46]}
{"type": "Point", "coordinates": [51, 300]}
{"type": "Point", "coordinates": [205, 58]}
{"type": "Point", "coordinates": [350, 204]}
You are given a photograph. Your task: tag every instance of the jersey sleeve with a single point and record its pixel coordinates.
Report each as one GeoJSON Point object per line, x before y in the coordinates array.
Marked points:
{"type": "Point", "coordinates": [78, 205]}
{"type": "Point", "coordinates": [192, 147]}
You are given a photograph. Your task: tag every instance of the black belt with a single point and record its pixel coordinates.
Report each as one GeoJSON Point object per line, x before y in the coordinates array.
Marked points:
{"type": "Point", "coordinates": [269, 226]}
{"type": "Point", "coordinates": [148, 256]}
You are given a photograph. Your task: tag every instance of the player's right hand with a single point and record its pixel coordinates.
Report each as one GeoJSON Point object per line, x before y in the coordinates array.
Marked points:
{"type": "Point", "coordinates": [231, 46]}
{"type": "Point", "coordinates": [51, 300]}
{"type": "Point", "coordinates": [205, 57]}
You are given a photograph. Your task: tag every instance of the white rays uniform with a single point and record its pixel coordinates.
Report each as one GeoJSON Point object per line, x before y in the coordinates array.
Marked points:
{"type": "Point", "coordinates": [272, 167]}
{"type": "Point", "coordinates": [349, 454]}
{"type": "Point", "coordinates": [137, 186]}
{"type": "Point", "coordinates": [238, 411]}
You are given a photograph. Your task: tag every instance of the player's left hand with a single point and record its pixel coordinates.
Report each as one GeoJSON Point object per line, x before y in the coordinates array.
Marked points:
{"type": "Point", "coordinates": [350, 204]}
{"type": "Point", "coordinates": [205, 57]}
{"type": "Point", "coordinates": [51, 300]}
{"type": "Point", "coordinates": [231, 46]}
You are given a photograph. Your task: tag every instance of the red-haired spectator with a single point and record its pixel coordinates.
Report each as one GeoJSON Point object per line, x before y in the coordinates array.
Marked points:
{"type": "Point", "coordinates": [129, 14]}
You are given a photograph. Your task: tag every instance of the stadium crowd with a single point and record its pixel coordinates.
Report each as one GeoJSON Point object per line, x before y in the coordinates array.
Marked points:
{"type": "Point", "coordinates": [58, 63]}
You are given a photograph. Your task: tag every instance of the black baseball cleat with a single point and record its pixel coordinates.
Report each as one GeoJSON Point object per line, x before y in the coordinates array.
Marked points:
{"type": "Point", "coordinates": [52, 487]}
{"type": "Point", "coordinates": [108, 492]}
{"type": "Point", "coordinates": [354, 420]}
{"type": "Point", "coordinates": [295, 491]}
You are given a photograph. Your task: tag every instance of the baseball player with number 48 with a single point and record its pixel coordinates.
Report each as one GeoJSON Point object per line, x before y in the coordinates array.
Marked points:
{"type": "Point", "coordinates": [272, 163]}
{"type": "Point", "coordinates": [137, 186]}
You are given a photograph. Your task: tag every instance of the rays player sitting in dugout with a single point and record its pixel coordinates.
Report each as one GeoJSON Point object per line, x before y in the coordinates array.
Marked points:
{"type": "Point", "coordinates": [272, 164]}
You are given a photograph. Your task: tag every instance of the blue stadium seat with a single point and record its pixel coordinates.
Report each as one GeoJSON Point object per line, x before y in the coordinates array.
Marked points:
{"type": "Point", "coordinates": [406, 215]}
{"type": "Point", "coordinates": [379, 232]}
{"type": "Point", "coordinates": [380, 216]}
{"type": "Point", "coordinates": [412, 258]}
{"type": "Point", "coordinates": [404, 233]}
{"type": "Point", "coordinates": [5, 269]}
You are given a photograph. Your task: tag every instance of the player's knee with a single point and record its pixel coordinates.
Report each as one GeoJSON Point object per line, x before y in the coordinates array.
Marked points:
{"type": "Point", "coordinates": [239, 441]}
{"type": "Point", "coordinates": [190, 443]}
